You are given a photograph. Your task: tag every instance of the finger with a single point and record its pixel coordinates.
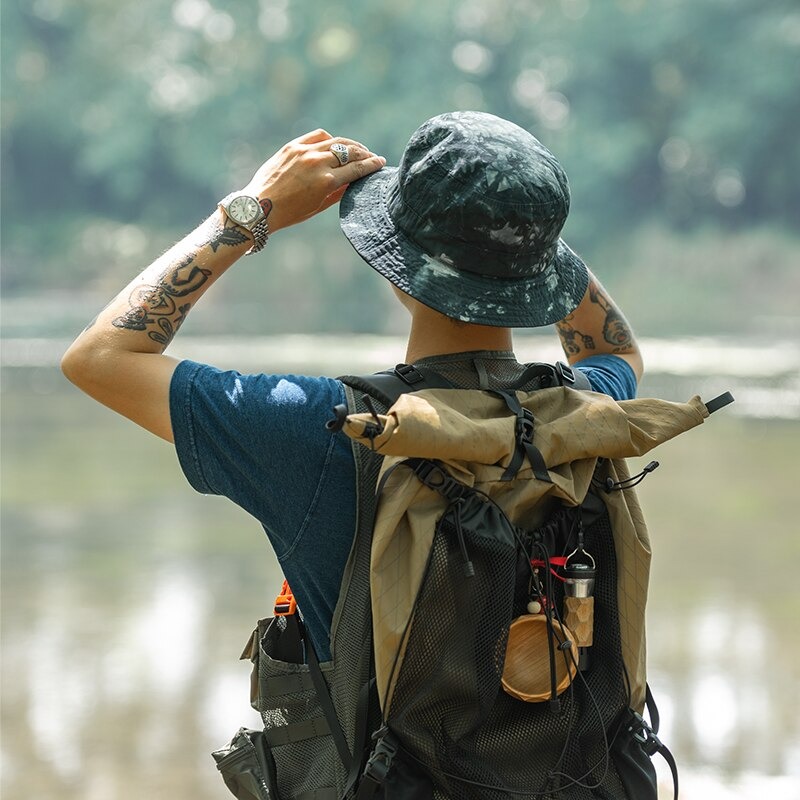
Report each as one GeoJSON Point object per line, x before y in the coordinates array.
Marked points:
{"type": "Point", "coordinates": [312, 137]}
{"type": "Point", "coordinates": [322, 144]}
{"type": "Point", "coordinates": [354, 170]}
{"type": "Point", "coordinates": [352, 145]}
{"type": "Point", "coordinates": [351, 152]}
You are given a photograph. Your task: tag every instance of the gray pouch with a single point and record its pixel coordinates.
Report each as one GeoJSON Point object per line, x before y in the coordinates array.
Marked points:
{"type": "Point", "coordinates": [247, 767]}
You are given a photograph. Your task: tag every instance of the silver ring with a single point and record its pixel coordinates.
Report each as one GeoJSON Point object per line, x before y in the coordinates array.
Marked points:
{"type": "Point", "coordinates": [341, 152]}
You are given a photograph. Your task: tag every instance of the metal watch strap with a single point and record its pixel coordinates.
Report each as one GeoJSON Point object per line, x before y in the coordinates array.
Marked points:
{"type": "Point", "coordinates": [260, 233]}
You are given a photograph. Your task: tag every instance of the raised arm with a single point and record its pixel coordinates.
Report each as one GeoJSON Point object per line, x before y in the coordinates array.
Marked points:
{"type": "Point", "coordinates": [119, 358]}
{"type": "Point", "coordinates": [596, 327]}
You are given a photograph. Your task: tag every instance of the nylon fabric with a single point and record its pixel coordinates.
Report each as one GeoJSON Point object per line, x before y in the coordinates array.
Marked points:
{"type": "Point", "coordinates": [472, 434]}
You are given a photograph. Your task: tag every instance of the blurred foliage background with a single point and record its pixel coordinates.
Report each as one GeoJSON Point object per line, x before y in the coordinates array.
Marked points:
{"type": "Point", "coordinates": [676, 120]}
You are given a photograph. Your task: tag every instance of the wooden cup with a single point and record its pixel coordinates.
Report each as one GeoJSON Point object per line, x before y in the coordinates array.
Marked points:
{"type": "Point", "coordinates": [526, 672]}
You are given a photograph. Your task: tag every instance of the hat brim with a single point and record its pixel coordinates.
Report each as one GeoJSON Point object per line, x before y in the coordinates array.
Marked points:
{"type": "Point", "coordinates": [482, 300]}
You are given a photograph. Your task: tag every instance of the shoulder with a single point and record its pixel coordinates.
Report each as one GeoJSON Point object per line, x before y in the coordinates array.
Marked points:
{"type": "Point", "coordinates": [610, 375]}
{"type": "Point", "coordinates": [193, 382]}
{"type": "Point", "coordinates": [225, 422]}
{"type": "Point", "coordinates": [257, 410]}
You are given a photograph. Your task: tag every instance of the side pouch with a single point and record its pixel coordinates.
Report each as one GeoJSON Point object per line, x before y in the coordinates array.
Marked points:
{"type": "Point", "coordinates": [296, 731]}
{"type": "Point", "coordinates": [634, 746]}
{"type": "Point", "coordinates": [246, 766]}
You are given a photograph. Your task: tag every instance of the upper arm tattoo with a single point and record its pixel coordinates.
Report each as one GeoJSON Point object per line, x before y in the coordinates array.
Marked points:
{"type": "Point", "coordinates": [614, 329]}
{"type": "Point", "coordinates": [573, 341]}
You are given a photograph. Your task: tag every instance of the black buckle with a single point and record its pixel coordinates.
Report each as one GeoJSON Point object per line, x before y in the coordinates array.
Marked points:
{"type": "Point", "coordinates": [435, 477]}
{"type": "Point", "coordinates": [409, 374]}
{"type": "Point", "coordinates": [644, 734]}
{"type": "Point", "coordinates": [382, 757]}
{"type": "Point", "coordinates": [565, 373]}
{"type": "Point", "coordinates": [524, 427]}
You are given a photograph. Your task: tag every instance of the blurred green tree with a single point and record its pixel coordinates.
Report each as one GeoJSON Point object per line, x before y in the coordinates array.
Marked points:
{"type": "Point", "coordinates": [122, 123]}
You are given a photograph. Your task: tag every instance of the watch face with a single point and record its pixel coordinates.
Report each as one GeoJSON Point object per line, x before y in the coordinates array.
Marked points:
{"type": "Point", "coordinates": [244, 209]}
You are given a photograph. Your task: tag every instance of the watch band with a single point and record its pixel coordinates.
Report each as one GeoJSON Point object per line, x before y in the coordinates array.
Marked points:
{"type": "Point", "coordinates": [259, 231]}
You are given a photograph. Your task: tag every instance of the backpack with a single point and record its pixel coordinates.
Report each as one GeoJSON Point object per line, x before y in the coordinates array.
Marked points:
{"type": "Point", "coordinates": [507, 561]}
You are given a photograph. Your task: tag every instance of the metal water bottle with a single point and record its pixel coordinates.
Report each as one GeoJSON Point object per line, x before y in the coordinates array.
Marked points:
{"type": "Point", "coordinates": [579, 602]}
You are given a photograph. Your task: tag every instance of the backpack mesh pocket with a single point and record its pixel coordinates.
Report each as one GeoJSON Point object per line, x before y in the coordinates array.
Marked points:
{"type": "Point", "coordinates": [295, 727]}
{"type": "Point", "coordinates": [449, 680]}
{"type": "Point", "coordinates": [449, 710]}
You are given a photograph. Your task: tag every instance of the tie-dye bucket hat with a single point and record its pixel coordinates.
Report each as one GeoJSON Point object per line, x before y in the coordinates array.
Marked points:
{"type": "Point", "coordinates": [469, 223]}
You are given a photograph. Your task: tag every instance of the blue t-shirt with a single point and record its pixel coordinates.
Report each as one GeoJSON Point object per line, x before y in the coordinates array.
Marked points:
{"type": "Point", "coordinates": [261, 441]}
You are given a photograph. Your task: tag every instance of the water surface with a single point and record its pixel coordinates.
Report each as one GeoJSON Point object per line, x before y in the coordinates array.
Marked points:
{"type": "Point", "coordinates": [127, 598]}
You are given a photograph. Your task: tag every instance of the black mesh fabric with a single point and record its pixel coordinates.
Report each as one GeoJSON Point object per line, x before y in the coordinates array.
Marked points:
{"type": "Point", "coordinates": [351, 633]}
{"type": "Point", "coordinates": [449, 709]}
{"type": "Point", "coordinates": [502, 369]}
{"type": "Point", "coordinates": [452, 666]}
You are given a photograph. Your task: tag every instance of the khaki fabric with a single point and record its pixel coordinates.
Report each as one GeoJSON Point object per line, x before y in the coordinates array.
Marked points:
{"type": "Point", "coordinates": [471, 433]}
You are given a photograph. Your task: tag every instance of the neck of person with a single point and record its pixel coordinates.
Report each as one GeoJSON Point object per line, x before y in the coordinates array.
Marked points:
{"type": "Point", "coordinates": [433, 334]}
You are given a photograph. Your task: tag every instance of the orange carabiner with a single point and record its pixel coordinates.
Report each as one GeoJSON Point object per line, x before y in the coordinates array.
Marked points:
{"type": "Point", "coordinates": [285, 604]}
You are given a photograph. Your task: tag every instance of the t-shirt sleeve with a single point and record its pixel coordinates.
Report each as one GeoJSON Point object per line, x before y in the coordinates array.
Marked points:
{"type": "Point", "coordinates": [610, 375]}
{"type": "Point", "coordinates": [259, 440]}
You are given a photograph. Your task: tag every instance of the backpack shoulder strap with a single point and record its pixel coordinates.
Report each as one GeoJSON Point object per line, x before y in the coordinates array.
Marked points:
{"type": "Point", "coordinates": [387, 386]}
{"type": "Point", "coordinates": [548, 375]}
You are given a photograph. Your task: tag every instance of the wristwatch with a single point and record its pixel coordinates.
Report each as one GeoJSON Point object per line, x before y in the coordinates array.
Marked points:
{"type": "Point", "coordinates": [247, 213]}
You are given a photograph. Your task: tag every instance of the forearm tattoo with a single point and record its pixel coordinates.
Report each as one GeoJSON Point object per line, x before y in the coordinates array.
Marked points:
{"type": "Point", "coordinates": [227, 234]}
{"type": "Point", "coordinates": [157, 308]}
{"type": "Point", "coordinates": [160, 309]}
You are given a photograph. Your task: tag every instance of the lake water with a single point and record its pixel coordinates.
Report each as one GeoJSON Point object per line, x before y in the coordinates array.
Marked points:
{"type": "Point", "coordinates": [127, 598]}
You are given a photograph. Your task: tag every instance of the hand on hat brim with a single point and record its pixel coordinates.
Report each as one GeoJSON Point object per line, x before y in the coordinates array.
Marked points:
{"type": "Point", "coordinates": [304, 177]}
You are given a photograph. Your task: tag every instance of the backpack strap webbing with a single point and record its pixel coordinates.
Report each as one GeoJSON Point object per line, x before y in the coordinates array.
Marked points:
{"type": "Point", "coordinates": [549, 375]}
{"type": "Point", "coordinates": [329, 723]}
{"type": "Point", "coordinates": [523, 434]}
{"type": "Point", "coordinates": [326, 703]}
{"type": "Point", "coordinates": [387, 386]}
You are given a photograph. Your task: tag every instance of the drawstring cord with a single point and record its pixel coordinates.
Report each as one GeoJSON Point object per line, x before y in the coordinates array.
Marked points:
{"type": "Point", "coordinates": [372, 430]}
{"type": "Point", "coordinates": [610, 485]}
{"type": "Point", "coordinates": [469, 569]}
{"type": "Point", "coordinates": [564, 644]}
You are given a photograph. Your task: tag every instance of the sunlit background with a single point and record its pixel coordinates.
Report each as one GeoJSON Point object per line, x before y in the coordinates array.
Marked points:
{"type": "Point", "coordinates": [126, 597]}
